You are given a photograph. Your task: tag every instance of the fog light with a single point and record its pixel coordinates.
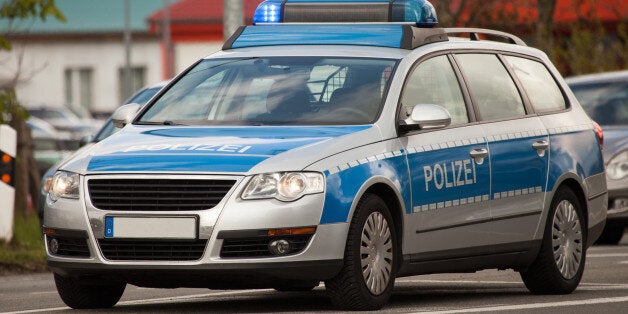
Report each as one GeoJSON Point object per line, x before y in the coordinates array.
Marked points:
{"type": "Point", "coordinates": [620, 203]}
{"type": "Point", "coordinates": [53, 245]}
{"type": "Point", "coordinates": [279, 247]}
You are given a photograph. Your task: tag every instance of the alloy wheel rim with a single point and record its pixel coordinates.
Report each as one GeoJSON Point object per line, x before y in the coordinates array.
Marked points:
{"type": "Point", "coordinates": [376, 253]}
{"type": "Point", "coordinates": [567, 239]}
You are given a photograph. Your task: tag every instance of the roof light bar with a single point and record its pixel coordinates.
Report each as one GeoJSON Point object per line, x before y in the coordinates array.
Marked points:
{"type": "Point", "coordinates": [268, 11]}
{"type": "Point", "coordinates": [420, 12]}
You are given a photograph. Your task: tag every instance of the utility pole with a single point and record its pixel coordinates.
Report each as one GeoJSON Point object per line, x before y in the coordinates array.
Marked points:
{"type": "Point", "coordinates": [126, 90]}
{"type": "Point", "coordinates": [233, 17]}
{"type": "Point", "coordinates": [167, 42]}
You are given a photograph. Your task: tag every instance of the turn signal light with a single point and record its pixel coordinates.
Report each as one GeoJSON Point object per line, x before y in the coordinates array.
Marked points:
{"type": "Point", "coordinates": [291, 231]}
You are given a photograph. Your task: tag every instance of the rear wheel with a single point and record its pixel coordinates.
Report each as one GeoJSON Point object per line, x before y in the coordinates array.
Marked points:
{"type": "Point", "coordinates": [78, 295]}
{"type": "Point", "coordinates": [559, 266]}
{"type": "Point", "coordinates": [612, 234]}
{"type": "Point", "coordinates": [367, 277]}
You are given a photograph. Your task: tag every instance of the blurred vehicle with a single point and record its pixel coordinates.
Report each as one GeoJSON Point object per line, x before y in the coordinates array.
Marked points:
{"type": "Point", "coordinates": [605, 97]}
{"type": "Point", "coordinates": [141, 97]}
{"type": "Point", "coordinates": [50, 145]}
{"type": "Point", "coordinates": [63, 119]}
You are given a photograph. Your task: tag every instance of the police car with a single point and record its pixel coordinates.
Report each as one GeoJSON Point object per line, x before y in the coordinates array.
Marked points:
{"type": "Point", "coordinates": [350, 142]}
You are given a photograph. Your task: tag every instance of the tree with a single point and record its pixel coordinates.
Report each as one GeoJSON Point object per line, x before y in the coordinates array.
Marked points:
{"type": "Point", "coordinates": [13, 13]}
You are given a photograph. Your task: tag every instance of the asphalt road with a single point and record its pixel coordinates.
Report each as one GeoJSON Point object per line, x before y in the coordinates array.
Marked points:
{"type": "Point", "coordinates": [604, 289]}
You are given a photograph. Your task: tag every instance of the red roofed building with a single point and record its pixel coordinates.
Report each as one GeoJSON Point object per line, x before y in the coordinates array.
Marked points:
{"type": "Point", "coordinates": [195, 29]}
{"type": "Point", "coordinates": [196, 25]}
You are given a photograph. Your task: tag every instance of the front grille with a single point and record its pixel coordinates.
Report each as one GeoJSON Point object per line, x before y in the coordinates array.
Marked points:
{"type": "Point", "coordinates": [67, 246]}
{"type": "Point", "coordinates": [157, 194]}
{"type": "Point", "coordinates": [258, 246]}
{"type": "Point", "coordinates": [152, 250]}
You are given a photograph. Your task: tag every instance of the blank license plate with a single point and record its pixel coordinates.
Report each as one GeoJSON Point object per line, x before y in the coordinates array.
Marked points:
{"type": "Point", "coordinates": [150, 227]}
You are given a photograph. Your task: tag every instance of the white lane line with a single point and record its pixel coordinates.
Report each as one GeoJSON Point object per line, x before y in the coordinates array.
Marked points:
{"type": "Point", "coordinates": [146, 301]}
{"type": "Point", "coordinates": [458, 281]}
{"type": "Point", "coordinates": [188, 297]}
{"type": "Point", "coordinates": [43, 292]}
{"type": "Point", "coordinates": [51, 309]}
{"type": "Point", "coordinates": [500, 308]}
{"type": "Point", "coordinates": [586, 286]}
{"type": "Point", "coordinates": [608, 255]}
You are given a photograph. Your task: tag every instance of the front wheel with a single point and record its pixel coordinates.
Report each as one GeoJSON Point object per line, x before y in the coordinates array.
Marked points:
{"type": "Point", "coordinates": [78, 295]}
{"type": "Point", "coordinates": [367, 277]}
{"type": "Point", "coordinates": [559, 266]}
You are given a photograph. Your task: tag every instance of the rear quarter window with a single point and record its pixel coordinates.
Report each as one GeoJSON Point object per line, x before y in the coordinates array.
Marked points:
{"type": "Point", "coordinates": [540, 86]}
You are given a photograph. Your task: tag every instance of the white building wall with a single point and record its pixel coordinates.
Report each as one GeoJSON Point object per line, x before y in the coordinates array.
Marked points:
{"type": "Point", "coordinates": [44, 64]}
{"type": "Point", "coordinates": [186, 53]}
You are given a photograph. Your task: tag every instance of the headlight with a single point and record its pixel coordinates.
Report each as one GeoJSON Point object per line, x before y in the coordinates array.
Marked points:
{"type": "Point", "coordinates": [617, 168]}
{"type": "Point", "coordinates": [284, 186]}
{"type": "Point", "coordinates": [64, 184]}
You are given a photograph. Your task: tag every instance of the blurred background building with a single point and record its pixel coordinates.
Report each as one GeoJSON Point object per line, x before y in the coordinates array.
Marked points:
{"type": "Point", "coordinates": [80, 64]}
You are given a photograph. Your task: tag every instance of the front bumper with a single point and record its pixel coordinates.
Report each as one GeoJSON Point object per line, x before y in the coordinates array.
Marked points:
{"type": "Point", "coordinates": [214, 275]}
{"type": "Point", "coordinates": [319, 259]}
{"type": "Point", "coordinates": [618, 200]}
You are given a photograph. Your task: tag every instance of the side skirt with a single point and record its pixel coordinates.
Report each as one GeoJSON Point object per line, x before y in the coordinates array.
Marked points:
{"type": "Point", "coordinates": [503, 256]}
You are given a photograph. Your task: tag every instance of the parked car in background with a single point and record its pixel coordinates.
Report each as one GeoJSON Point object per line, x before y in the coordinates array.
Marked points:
{"type": "Point", "coordinates": [63, 119]}
{"type": "Point", "coordinates": [605, 97]}
{"type": "Point", "coordinates": [50, 145]}
{"type": "Point", "coordinates": [141, 97]}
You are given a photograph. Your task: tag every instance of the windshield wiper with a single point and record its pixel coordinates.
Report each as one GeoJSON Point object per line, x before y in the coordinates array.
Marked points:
{"type": "Point", "coordinates": [165, 122]}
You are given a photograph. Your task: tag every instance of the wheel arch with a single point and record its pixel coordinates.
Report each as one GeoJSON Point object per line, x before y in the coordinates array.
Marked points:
{"type": "Point", "coordinates": [388, 192]}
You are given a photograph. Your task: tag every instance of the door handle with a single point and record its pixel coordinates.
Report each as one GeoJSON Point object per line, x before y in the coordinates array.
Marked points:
{"type": "Point", "coordinates": [540, 147]}
{"type": "Point", "coordinates": [478, 154]}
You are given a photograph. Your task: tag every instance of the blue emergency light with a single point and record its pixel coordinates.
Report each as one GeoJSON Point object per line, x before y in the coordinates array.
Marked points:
{"type": "Point", "coordinates": [420, 12]}
{"type": "Point", "coordinates": [405, 24]}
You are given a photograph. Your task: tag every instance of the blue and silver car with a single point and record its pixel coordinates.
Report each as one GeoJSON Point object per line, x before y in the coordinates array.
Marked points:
{"type": "Point", "coordinates": [352, 153]}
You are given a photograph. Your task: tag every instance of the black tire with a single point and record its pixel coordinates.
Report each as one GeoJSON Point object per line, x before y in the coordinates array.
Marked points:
{"type": "Point", "coordinates": [79, 295]}
{"type": "Point", "coordinates": [544, 276]}
{"type": "Point", "coordinates": [301, 287]}
{"type": "Point", "coordinates": [612, 234]}
{"type": "Point", "coordinates": [349, 290]}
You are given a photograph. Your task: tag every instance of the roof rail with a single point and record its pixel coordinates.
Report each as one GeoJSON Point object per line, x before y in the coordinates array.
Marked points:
{"type": "Point", "coordinates": [475, 32]}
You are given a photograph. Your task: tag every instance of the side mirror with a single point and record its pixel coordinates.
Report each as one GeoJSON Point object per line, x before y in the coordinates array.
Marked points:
{"type": "Point", "coordinates": [425, 117]}
{"type": "Point", "coordinates": [124, 114]}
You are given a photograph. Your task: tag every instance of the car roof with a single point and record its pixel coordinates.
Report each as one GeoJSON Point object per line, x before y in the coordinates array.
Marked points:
{"type": "Point", "coordinates": [604, 77]}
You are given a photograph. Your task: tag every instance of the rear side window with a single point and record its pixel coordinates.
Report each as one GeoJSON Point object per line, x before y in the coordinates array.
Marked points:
{"type": "Point", "coordinates": [434, 82]}
{"type": "Point", "coordinates": [538, 83]}
{"type": "Point", "coordinates": [493, 90]}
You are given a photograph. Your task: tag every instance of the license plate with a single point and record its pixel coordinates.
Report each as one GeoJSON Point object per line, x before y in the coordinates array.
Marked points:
{"type": "Point", "coordinates": [151, 227]}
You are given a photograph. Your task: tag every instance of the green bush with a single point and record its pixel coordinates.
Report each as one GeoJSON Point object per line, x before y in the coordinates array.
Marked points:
{"type": "Point", "coordinates": [25, 253]}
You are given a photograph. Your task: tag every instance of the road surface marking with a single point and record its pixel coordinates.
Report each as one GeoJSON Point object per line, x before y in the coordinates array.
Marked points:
{"type": "Point", "coordinates": [608, 255]}
{"type": "Point", "coordinates": [146, 301]}
{"type": "Point", "coordinates": [500, 308]}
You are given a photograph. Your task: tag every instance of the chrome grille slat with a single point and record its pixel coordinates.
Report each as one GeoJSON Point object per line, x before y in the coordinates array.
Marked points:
{"type": "Point", "coordinates": [145, 194]}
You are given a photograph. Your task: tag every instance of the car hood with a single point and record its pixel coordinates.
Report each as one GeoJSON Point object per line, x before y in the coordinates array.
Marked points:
{"type": "Point", "coordinates": [615, 140]}
{"type": "Point", "coordinates": [215, 149]}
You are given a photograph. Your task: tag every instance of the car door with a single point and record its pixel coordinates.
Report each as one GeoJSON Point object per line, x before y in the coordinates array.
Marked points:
{"type": "Point", "coordinates": [450, 188]}
{"type": "Point", "coordinates": [517, 142]}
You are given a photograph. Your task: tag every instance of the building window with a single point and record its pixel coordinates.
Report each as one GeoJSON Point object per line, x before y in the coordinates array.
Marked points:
{"type": "Point", "coordinates": [138, 80]}
{"type": "Point", "coordinates": [79, 87]}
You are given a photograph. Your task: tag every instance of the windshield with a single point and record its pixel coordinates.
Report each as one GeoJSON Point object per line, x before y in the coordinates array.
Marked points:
{"type": "Point", "coordinates": [275, 91]}
{"type": "Point", "coordinates": [606, 103]}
